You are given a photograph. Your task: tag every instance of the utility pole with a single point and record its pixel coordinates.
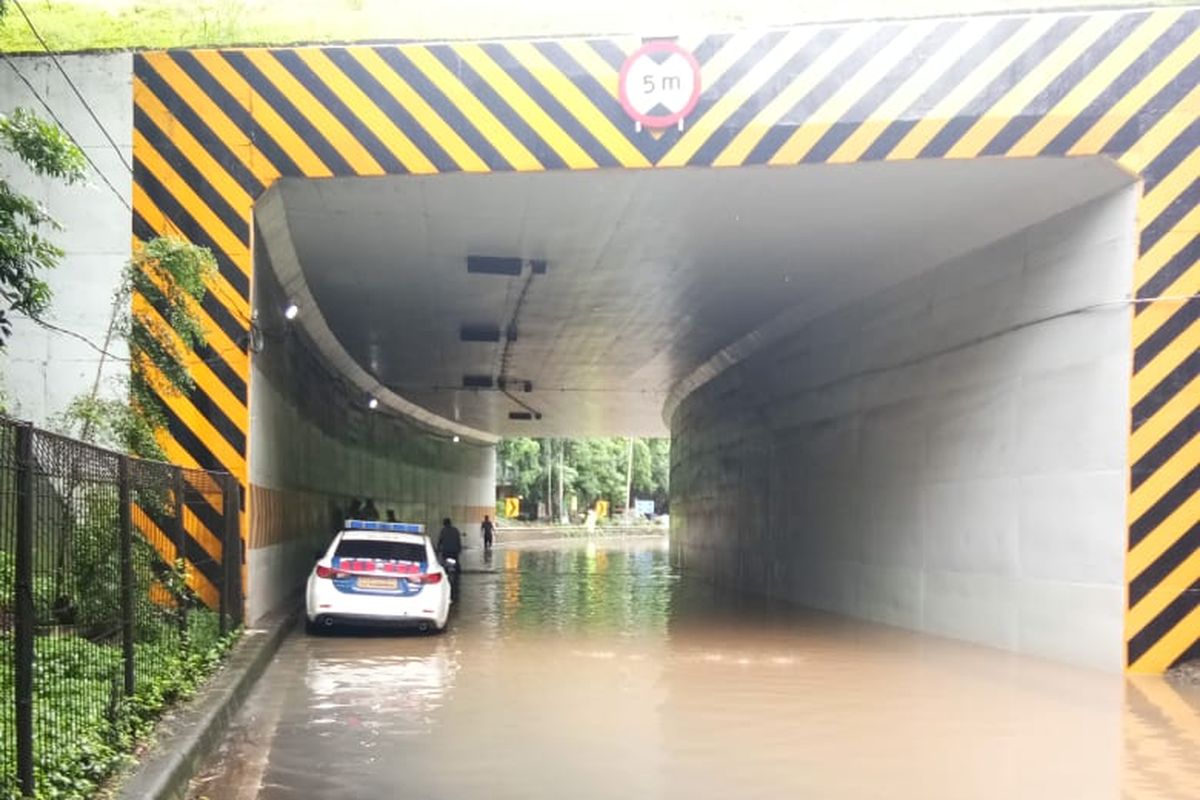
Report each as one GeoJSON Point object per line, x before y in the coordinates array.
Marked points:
{"type": "Point", "coordinates": [629, 479]}
{"type": "Point", "coordinates": [549, 478]}
{"type": "Point", "coordinates": [562, 510]}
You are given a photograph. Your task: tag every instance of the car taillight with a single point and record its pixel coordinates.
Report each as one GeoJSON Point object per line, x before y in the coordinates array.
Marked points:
{"type": "Point", "coordinates": [430, 577]}
{"type": "Point", "coordinates": [329, 572]}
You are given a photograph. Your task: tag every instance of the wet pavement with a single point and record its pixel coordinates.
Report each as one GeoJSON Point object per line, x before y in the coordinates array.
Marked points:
{"type": "Point", "coordinates": [592, 671]}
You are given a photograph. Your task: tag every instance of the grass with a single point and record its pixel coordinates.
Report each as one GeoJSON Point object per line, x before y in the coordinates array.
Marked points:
{"type": "Point", "coordinates": [135, 24]}
{"type": "Point", "coordinates": [84, 728]}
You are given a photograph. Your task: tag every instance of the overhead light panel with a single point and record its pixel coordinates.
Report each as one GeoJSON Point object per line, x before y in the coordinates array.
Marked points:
{"type": "Point", "coordinates": [292, 311]}
{"type": "Point", "coordinates": [486, 332]}
{"type": "Point", "coordinates": [477, 381]}
{"type": "Point", "coordinates": [373, 403]}
{"type": "Point", "coordinates": [494, 265]}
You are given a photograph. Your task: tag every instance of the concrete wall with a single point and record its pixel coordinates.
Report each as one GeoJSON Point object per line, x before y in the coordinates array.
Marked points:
{"type": "Point", "coordinates": [314, 447]}
{"type": "Point", "coordinates": [43, 370]}
{"type": "Point", "coordinates": [920, 459]}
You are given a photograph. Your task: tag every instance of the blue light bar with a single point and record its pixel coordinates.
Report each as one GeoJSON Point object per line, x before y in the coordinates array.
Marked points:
{"type": "Point", "coordinates": [374, 525]}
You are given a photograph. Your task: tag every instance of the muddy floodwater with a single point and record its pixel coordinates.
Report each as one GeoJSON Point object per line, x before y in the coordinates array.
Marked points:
{"type": "Point", "coordinates": [593, 671]}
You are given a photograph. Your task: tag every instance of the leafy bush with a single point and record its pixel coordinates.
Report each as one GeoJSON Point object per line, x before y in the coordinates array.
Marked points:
{"type": "Point", "coordinates": [84, 727]}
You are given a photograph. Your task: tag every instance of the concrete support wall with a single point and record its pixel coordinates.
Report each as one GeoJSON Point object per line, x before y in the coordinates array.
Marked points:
{"type": "Point", "coordinates": [43, 369]}
{"type": "Point", "coordinates": [926, 458]}
{"type": "Point", "coordinates": [314, 447]}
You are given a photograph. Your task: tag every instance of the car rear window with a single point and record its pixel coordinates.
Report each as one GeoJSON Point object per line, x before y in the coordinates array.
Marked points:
{"type": "Point", "coordinates": [385, 551]}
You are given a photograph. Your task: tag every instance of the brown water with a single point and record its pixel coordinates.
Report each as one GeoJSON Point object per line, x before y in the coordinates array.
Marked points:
{"type": "Point", "coordinates": [578, 671]}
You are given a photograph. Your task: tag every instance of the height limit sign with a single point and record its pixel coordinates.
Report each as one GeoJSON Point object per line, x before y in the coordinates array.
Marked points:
{"type": "Point", "coordinates": [659, 85]}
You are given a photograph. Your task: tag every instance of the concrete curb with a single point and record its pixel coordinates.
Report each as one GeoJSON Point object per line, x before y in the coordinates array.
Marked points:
{"type": "Point", "coordinates": [186, 737]}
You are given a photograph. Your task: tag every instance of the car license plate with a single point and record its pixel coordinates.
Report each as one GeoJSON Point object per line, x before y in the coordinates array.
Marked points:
{"type": "Point", "coordinates": [378, 583]}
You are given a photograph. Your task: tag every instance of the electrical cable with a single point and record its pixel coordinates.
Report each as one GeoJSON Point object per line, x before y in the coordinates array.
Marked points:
{"type": "Point", "coordinates": [74, 88]}
{"type": "Point", "coordinates": [63, 128]}
{"type": "Point", "coordinates": [536, 414]}
{"type": "Point", "coordinates": [506, 352]}
{"type": "Point", "coordinates": [218, 289]}
{"type": "Point", "coordinates": [105, 354]}
{"type": "Point", "coordinates": [215, 356]}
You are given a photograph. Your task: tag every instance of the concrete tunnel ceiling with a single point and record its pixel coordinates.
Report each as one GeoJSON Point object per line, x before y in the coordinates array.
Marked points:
{"type": "Point", "coordinates": [648, 276]}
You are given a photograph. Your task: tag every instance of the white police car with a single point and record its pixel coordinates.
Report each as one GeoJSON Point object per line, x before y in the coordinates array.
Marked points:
{"type": "Point", "coordinates": [379, 574]}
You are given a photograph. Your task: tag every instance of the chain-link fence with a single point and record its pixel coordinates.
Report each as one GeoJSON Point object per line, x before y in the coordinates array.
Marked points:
{"type": "Point", "coordinates": [115, 573]}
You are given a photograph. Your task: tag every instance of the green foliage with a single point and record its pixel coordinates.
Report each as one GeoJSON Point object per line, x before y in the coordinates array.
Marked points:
{"type": "Point", "coordinates": [42, 145]}
{"type": "Point", "coordinates": [593, 468]}
{"type": "Point", "coordinates": [599, 470]}
{"type": "Point", "coordinates": [522, 465]}
{"type": "Point", "coordinates": [658, 483]}
{"type": "Point", "coordinates": [121, 24]}
{"type": "Point", "coordinates": [25, 252]}
{"type": "Point", "coordinates": [169, 274]}
{"type": "Point", "coordinates": [85, 728]}
{"type": "Point", "coordinates": [157, 313]}
{"type": "Point", "coordinates": [79, 577]}
{"type": "Point", "coordinates": [8, 579]}
{"type": "Point", "coordinates": [115, 424]}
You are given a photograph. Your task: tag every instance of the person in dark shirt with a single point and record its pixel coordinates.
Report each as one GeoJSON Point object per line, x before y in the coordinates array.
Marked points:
{"type": "Point", "coordinates": [489, 532]}
{"type": "Point", "coordinates": [370, 511]}
{"type": "Point", "coordinates": [449, 541]}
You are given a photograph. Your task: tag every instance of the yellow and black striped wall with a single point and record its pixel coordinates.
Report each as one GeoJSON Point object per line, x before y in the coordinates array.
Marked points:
{"type": "Point", "coordinates": [215, 128]}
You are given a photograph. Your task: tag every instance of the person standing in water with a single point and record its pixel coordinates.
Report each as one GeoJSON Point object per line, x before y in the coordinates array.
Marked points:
{"type": "Point", "coordinates": [489, 532]}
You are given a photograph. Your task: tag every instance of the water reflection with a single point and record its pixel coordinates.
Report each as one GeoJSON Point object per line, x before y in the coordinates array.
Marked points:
{"type": "Point", "coordinates": [404, 691]}
{"type": "Point", "coordinates": [590, 670]}
{"type": "Point", "coordinates": [617, 587]}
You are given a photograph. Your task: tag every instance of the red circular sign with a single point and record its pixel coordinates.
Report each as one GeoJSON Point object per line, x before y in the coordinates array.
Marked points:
{"type": "Point", "coordinates": [659, 84]}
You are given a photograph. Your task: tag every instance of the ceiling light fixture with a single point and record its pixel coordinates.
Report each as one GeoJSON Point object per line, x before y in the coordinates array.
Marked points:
{"type": "Point", "coordinates": [456, 440]}
{"type": "Point", "coordinates": [495, 265]}
{"type": "Point", "coordinates": [477, 382]}
{"type": "Point", "coordinates": [373, 403]}
{"type": "Point", "coordinates": [292, 311]}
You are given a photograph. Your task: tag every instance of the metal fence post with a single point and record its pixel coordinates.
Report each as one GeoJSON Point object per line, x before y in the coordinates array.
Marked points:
{"type": "Point", "coordinates": [126, 544]}
{"type": "Point", "coordinates": [25, 621]}
{"type": "Point", "coordinates": [231, 555]}
{"type": "Point", "coordinates": [239, 549]}
{"type": "Point", "coordinates": [226, 557]}
{"type": "Point", "coordinates": [180, 540]}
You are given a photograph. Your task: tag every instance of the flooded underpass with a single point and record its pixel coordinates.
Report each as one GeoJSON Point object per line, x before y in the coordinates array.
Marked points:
{"type": "Point", "coordinates": [592, 670]}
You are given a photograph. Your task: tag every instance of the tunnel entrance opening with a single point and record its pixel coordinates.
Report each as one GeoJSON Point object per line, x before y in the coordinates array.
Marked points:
{"type": "Point", "coordinates": [876, 406]}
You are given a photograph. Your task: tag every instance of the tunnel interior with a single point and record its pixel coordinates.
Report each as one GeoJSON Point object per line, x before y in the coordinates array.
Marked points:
{"type": "Point", "coordinates": [896, 391]}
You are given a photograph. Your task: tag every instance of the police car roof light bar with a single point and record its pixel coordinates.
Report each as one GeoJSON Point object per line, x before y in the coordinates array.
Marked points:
{"type": "Point", "coordinates": [374, 525]}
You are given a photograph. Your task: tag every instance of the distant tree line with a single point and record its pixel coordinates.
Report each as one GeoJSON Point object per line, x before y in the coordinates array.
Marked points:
{"type": "Point", "coordinates": [560, 474]}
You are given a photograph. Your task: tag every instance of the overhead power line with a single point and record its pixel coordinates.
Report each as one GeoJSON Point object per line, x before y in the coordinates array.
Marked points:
{"type": "Point", "coordinates": [58, 121]}
{"type": "Point", "coordinates": [74, 88]}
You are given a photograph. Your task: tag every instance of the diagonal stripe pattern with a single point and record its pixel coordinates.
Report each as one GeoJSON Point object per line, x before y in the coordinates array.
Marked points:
{"type": "Point", "coordinates": [214, 128]}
